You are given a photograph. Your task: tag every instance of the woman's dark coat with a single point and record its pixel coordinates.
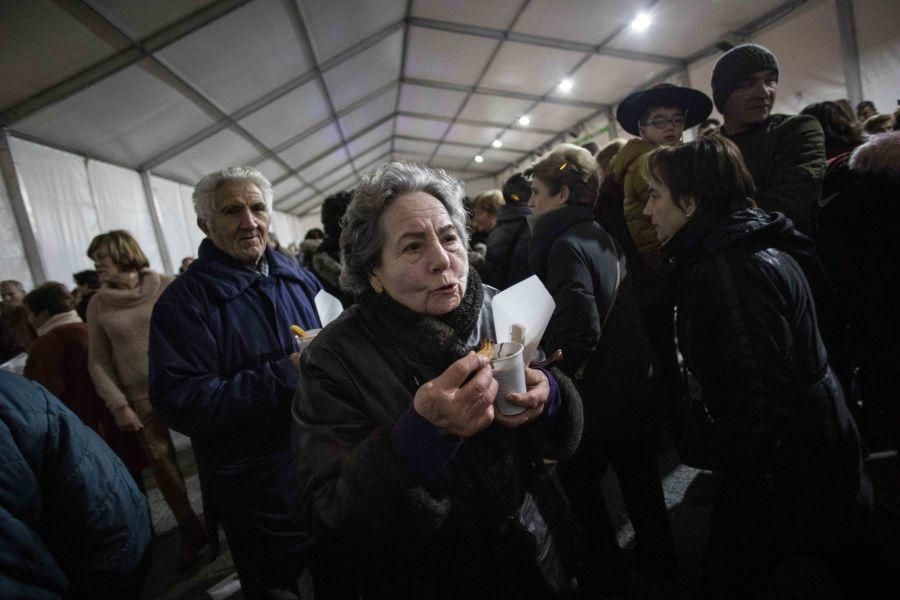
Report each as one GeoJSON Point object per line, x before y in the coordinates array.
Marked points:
{"type": "Point", "coordinates": [748, 331]}
{"type": "Point", "coordinates": [576, 261]}
{"type": "Point", "coordinates": [408, 537]}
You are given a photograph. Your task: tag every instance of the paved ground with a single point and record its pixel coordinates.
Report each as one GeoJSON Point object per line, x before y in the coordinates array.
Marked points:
{"type": "Point", "coordinates": [689, 496]}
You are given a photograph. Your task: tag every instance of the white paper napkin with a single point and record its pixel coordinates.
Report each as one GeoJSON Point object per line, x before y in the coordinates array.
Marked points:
{"type": "Point", "coordinates": [527, 303]}
{"type": "Point", "coordinates": [328, 307]}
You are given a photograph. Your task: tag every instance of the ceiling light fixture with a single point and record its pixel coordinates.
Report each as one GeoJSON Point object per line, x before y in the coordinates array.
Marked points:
{"type": "Point", "coordinates": [496, 143]}
{"type": "Point", "coordinates": [641, 22]}
{"type": "Point", "coordinates": [565, 85]}
{"type": "Point", "coordinates": [524, 120]}
{"type": "Point", "coordinates": [479, 158]}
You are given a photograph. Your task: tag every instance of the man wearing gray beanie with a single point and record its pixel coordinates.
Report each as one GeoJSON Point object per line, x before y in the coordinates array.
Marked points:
{"type": "Point", "coordinates": [784, 153]}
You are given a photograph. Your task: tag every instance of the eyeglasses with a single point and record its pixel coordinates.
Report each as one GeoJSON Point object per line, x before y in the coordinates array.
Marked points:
{"type": "Point", "coordinates": [662, 122]}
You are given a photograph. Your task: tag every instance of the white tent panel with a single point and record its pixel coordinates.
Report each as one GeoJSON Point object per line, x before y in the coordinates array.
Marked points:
{"type": "Point", "coordinates": [65, 217]}
{"type": "Point", "coordinates": [502, 156]}
{"type": "Point", "coordinates": [281, 224]}
{"type": "Point", "coordinates": [473, 135]}
{"type": "Point", "coordinates": [443, 103]}
{"type": "Point", "coordinates": [557, 116]}
{"type": "Point", "coordinates": [525, 139]}
{"type": "Point", "coordinates": [529, 69]}
{"type": "Point", "coordinates": [606, 79]}
{"type": "Point", "coordinates": [700, 74]}
{"type": "Point", "coordinates": [189, 216]}
{"type": "Point", "coordinates": [879, 52]}
{"type": "Point", "coordinates": [291, 202]}
{"type": "Point", "coordinates": [40, 28]}
{"type": "Point", "coordinates": [364, 143]}
{"type": "Point", "coordinates": [13, 263]}
{"type": "Point", "coordinates": [674, 30]}
{"type": "Point", "coordinates": [306, 222]}
{"type": "Point", "coordinates": [294, 112]}
{"type": "Point", "coordinates": [415, 147]}
{"type": "Point", "coordinates": [497, 15]}
{"type": "Point", "coordinates": [121, 204]}
{"type": "Point", "coordinates": [174, 226]}
{"type": "Point", "coordinates": [424, 128]}
{"type": "Point", "coordinates": [445, 56]}
{"type": "Point", "coordinates": [369, 113]}
{"type": "Point", "coordinates": [803, 42]}
{"type": "Point", "coordinates": [226, 148]}
{"type": "Point", "coordinates": [333, 29]}
{"type": "Point", "coordinates": [585, 21]}
{"type": "Point", "coordinates": [285, 189]}
{"type": "Point", "coordinates": [367, 157]}
{"type": "Point", "coordinates": [271, 168]}
{"type": "Point", "coordinates": [365, 72]}
{"type": "Point", "coordinates": [227, 60]}
{"type": "Point", "coordinates": [495, 109]}
{"type": "Point", "coordinates": [334, 177]}
{"type": "Point", "coordinates": [315, 144]}
{"type": "Point", "coordinates": [142, 18]}
{"type": "Point", "coordinates": [328, 164]}
{"type": "Point", "coordinates": [475, 185]}
{"type": "Point", "coordinates": [127, 118]}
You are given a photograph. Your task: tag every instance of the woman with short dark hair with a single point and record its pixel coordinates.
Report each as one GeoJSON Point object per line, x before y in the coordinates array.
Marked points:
{"type": "Point", "coordinates": [788, 449]}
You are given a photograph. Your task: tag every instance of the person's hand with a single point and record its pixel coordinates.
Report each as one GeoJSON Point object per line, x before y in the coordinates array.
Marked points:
{"type": "Point", "coordinates": [295, 358]}
{"type": "Point", "coordinates": [534, 399]}
{"type": "Point", "coordinates": [456, 404]}
{"type": "Point", "coordinates": [127, 419]}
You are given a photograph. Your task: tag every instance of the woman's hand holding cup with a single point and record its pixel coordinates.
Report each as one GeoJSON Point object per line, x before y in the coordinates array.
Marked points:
{"type": "Point", "coordinates": [460, 400]}
{"type": "Point", "coordinates": [533, 400]}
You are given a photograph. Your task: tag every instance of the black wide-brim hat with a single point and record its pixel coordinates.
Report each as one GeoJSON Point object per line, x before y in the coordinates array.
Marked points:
{"type": "Point", "coordinates": [695, 103]}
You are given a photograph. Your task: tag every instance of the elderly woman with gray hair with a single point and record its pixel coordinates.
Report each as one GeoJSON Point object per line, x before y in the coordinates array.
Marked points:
{"type": "Point", "coordinates": [408, 471]}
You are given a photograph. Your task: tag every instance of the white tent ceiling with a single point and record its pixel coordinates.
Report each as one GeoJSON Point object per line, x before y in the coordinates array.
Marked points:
{"type": "Point", "coordinates": [316, 92]}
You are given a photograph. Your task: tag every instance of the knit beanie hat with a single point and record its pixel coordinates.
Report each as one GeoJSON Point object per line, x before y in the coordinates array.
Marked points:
{"type": "Point", "coordinates": [735, 66]}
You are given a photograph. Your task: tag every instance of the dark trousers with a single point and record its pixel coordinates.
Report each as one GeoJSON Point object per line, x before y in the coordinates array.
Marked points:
{"type": "Point", "coordinates": [637, 470]}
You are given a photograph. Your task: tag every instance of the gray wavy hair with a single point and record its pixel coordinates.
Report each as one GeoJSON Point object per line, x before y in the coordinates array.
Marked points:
{"type": "Point", "coordinates": [362, 238]}
{"type": "Point", "coordinates": [205, 191]}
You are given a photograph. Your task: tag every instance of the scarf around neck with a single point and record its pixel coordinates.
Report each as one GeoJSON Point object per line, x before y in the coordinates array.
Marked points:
{"type": "Point", "coordinates": [433, 340]}
{"type": "Point", "coordinates": [58, 320]}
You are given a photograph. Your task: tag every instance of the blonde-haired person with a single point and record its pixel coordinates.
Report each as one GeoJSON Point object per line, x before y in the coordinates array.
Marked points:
{"type": "Point", "coordinates": [485, 209]}
{"type": "Point", "coordinates": [118, 334]}
{"type": "Point", "coordinates": [596, 323]}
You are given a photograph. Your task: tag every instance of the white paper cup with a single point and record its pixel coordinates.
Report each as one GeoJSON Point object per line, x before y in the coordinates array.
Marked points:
{"type": "Point", "coordinates": [301, 342]}
{"type": "Point", "coordinates": [509, 371]}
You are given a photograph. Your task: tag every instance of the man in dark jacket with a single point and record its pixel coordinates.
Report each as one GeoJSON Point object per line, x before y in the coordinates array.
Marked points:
{"type": "Point", "coordinates": [223, 370]}
{"type": "Point", "coordinates": [507, 245]}
{"type": "Point", "coordinates": [326, 261]}
{"type": "Point", "coordinates": [74, 522]}
{"type": "Point", "coordinates": [785, 154]}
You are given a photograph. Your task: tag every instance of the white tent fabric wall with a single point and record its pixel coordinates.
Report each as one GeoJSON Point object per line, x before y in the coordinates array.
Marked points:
{"type": "Point", "coordinates": [189, 218]}
{"type": "Point", "coordinates": [879, 51]}
{"type": "Point", "coordinates": [175, 228]}
{"type": "Point", "coordinates": [119, 197]}
{"type": "Point", "coordinates": [56, 186]}
{"type": "Point", "coordinates": [13, 264]}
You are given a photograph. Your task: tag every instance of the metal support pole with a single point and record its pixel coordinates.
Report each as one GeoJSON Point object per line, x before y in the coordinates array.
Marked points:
{"type": "Point", "coordinates": [849, 50]}
{"type": "Point", "coordinates": [21, 208]}
{"type": "Point", "coordinates": [613, 124]}
{"type": "Point", "coordinates": [156, 217]}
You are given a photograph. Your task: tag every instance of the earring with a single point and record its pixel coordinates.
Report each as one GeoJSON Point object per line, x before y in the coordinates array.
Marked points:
{"type": "Point", "coordinates": [377, 287]}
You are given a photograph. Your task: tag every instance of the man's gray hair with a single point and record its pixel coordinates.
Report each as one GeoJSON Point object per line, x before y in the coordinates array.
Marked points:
{"type": "Point", "coordinates": [205, 190]}
{"type": "Point", "coordinates": [362, 238]}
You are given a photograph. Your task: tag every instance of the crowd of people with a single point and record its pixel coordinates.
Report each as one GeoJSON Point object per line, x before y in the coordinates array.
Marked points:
{"type": "Point", "coordinates": [749, 272]}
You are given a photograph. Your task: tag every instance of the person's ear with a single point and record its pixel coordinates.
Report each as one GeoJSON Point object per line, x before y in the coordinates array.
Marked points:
{"type": "Point", "coordinates": [201, 223]}
{"type": "Point", "coordinates": [689, 206]}
{"type": "Point", "coordinates": [563, 194]}
{"type": "Point", "coordinates": [375, 282]}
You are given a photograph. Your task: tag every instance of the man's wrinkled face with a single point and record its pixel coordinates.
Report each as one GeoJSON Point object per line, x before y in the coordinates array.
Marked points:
{"type": "Point", "coordinates": [12, 294]}
{"type": "Point", "coordinates": [239, 223]}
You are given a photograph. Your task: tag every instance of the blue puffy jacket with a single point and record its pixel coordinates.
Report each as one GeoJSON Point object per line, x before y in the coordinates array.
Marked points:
{"type": "Point", "coordinates": [71, 517]}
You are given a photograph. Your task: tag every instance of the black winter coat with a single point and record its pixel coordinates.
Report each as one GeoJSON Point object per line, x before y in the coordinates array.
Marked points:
{"type": "Point", "coordinates": [576, 260]}
{"type": "Point", "coordinates": [507, 248]}
{"type": "Point", "coordinates": [748, 331]}
{"type": "Point", "coordinates": [404, 536]}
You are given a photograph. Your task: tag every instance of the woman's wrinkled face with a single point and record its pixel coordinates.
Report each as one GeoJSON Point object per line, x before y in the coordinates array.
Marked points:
{"type": "Point", "coordinates": [666, 216]}
{"type": "Point", "coordinates": [541, 198]}
{"type": "Point", "coordinates": [423, 263]}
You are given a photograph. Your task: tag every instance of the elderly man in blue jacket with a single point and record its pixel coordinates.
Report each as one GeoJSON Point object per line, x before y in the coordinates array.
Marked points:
{"type": "Point", "coordinates": [223, 370]}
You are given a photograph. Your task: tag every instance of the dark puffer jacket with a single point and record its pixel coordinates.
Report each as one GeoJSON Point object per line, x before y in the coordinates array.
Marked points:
{"type": "Point", "coordinates": [576, 260]}
{"type": "Point", "coordinates": [406, 534]}
{"type": "Point", "coordinates": [72, 520]}
{"type": "Point", "coordinates": [507, 247]}
{"type": "Point", "coordinates": [748, 331]}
